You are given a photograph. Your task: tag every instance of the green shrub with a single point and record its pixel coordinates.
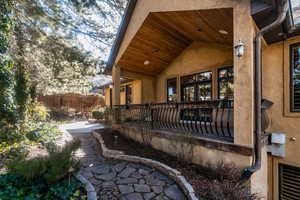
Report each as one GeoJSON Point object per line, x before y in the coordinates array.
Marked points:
{"type": "Point", "coordinates": [108, 115]}
{"type": "Point", "coordinates": [38, 112]}
{"type": "Point", "coordinates": [98, 115]}
{"type": "Point", "coordinates": [52, 168]}
{"type": "Point", "coordinates": [17, 187]}
{"type": "Point", "coordinates": [42, 132]}
{"type": "Point", "coordinates": [10, 133]}
{"type": "Point", "coordinates": [17, 150]}
{"type": "Point", "coordinates": [15, 144]}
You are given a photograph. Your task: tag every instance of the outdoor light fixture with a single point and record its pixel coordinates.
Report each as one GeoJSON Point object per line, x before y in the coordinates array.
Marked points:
{"type": "Point", "coordinates": [147, 62]}
{"type": "Point", "coordinates": [110, 86]}
{"type": "Point", "coordinates": [239, 49]}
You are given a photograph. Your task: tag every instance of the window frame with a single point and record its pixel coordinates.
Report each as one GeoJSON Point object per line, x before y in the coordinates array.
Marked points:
{"type": "Point", "coordinates": [219, 80]}
{"type": "Point", "coordinates": [176, 88]}
{"type": "Point", "coordinates": [110, 97]}
{"type": "Point", "coordinates": [126, 94]}
{"type": "Point", "coordinates": [196, 85]}
{"type": "Point", "coordinates": [291, 85]}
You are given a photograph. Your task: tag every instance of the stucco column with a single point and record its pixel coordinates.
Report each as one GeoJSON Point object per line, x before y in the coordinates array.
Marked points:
{"type": "Point", "coordinates": [244, 30]}
{"type": "Point", "coordinates": [116, 92]}
{"type": "Point", "coordinates": [116, 85]}
{"type": "Point", "coordinates": [243, 74]}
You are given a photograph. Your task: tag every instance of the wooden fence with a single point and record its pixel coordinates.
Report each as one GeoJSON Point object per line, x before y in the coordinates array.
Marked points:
{"type": "Point", "coordinates": [75, 103]}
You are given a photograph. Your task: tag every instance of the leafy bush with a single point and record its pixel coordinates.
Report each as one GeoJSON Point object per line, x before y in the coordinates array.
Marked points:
{"type": "Point", "coordinates": [17, 187]}
{"type": "Point", "coordinates": [108, 115]}
{"type": "Point", "coordinates": [39, 112]}
{"type": "Point", "coordinates": [10, 133]}
{"type": "Point", "coordinates": [51, 168]}
{"type": "Point", "coordinates": [98, 115]}
{"type": "Point", "coordinates": [42, 132]}
{"type": "Point", "coordinates": [15, 145]}
{"type": "Point", "coordinates": [7, 81]}
{"type": "Point", "coordinates": [22, 93]}
{"type": "Point", "coordinates": [17, 150]}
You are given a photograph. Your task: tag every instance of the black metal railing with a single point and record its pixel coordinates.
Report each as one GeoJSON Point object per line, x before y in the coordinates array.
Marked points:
{"type": "Point", "coordinates": [212, 119]}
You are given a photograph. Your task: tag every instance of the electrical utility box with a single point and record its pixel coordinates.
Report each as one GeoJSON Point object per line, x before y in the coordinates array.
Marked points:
{"type": "Point", "coordinates": [277, 143]}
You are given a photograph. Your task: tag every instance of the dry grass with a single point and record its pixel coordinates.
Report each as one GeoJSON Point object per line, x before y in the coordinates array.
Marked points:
{"type": "Point", "coordinates": [222, 182]}
{"type": "Point", "coordinates": [213, 182]}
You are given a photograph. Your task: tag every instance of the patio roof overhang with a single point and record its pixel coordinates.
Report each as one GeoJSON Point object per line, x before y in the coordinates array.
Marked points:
{"type": "Point", "coordinates": [263, 12]}
{"type": "Point", "coordinates": [164, 35]}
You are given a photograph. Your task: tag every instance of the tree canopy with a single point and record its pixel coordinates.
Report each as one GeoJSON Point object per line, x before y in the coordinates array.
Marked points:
{"type": "Point", "coordinates": [63, 44]}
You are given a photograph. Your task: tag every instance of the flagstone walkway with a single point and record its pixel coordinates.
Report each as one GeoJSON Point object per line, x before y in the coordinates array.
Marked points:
{"type": "Point", "coordinates": [116, 180]}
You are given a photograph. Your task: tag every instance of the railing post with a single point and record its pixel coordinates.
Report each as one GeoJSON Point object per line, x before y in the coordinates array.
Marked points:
{"type": "Point", "coordinates": [151, 119]}
{"type": "Point", "coordinates": [116, 115]}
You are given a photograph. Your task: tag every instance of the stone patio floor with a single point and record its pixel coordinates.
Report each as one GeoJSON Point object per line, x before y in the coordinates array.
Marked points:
{"type": "Point", "coordinates": [114, 179]}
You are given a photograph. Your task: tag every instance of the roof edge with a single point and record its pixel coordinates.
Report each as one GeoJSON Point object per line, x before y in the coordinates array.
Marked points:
{"type": "Point", "coordinates": [121, 34]}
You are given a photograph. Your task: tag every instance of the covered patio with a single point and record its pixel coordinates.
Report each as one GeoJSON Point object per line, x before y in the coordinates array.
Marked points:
{"type": "Point", "coordinates": [194, 98]}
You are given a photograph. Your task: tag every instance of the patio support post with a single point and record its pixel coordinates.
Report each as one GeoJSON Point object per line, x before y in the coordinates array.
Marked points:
{"type": "Point", "coordinates": [244, 31]}
{"type": "Point", "coordinates": [116, 92]}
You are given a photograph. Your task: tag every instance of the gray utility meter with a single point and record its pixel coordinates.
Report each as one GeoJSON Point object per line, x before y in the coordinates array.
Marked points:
{"type": "Point", "coordinates": [277, 143]}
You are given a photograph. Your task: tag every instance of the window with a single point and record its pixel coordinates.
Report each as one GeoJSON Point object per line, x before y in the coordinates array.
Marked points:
{"type": "Point", "coordinates": [172, 90]}
{"type": "Point", "coordinates": [295, 5]}
{"type": "Point", "coordinates": [204, 86]}
{"type": "Point", "coordinates": [128, 93]}
{"type": "Point", "coordinates": [196, 87]}
{"type": "Point", "coordinates": [225, 83]}
{"type": "Point", "coordinates": [295, 78]}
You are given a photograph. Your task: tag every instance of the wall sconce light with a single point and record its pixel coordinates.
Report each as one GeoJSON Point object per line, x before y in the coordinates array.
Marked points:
{"type": "Point", "coordinates": [110, 86]}
{"type": "Point", "coordinates": [240, 49]}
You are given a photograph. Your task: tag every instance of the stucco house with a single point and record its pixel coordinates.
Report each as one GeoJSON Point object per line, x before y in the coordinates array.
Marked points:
{"type": "Point", "coordinates": [129, 92]}
{"type": "Point", "coordinates": [221, 77]}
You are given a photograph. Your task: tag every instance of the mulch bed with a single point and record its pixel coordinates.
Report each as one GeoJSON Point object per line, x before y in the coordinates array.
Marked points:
{"type": "Point", "coordinates": [200, 178]}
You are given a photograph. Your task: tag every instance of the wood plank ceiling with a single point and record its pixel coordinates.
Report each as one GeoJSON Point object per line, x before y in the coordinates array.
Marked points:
{"type": "Point", "coordinates": [164, 35]}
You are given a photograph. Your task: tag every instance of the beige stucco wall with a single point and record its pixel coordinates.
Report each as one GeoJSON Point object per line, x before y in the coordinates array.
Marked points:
{"type": "Point", "coordinates": [276, 88]}
{"type": "Point", "coordinates": [198, 57]}
{"type": "Point", "coordinates": [136, 93]}
{"type": "Point", "coordinates": [148, 91]}
{"type": "Point", "coordinates": [144, 86]}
